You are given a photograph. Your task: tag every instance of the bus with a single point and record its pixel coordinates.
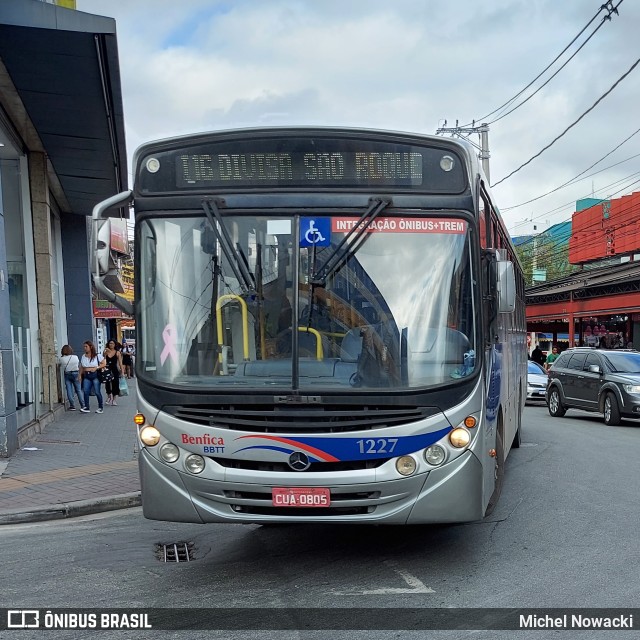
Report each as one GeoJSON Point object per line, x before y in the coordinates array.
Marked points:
{"type": "Point", "coordinates": [129, 336]}
{"type": "Point", "coordinates": [330, 328]}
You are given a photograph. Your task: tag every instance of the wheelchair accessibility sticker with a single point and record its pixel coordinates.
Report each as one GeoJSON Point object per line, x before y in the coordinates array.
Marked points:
{"type": "Point", "coordinates": [315, 231]}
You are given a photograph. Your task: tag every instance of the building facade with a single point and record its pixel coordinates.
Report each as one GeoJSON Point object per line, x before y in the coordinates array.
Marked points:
{"type": "Point", "coordinates": [599, 304]}
{"type": "Point", "coordinates": [62, 150]}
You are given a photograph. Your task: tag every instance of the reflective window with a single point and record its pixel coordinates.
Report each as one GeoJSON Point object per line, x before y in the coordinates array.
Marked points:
{"type": "Point", "coordinates": [623, 362]}
{"type": "Point", "coordinates": [229, 305]}
{"type": "Point", "coordinates": [577, 361]}
{"type": "Point", "coordinates": [592, 358]}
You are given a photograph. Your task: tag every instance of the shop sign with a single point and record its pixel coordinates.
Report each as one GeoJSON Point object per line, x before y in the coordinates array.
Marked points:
{"type": "Point", "coordinates": [104, 309]}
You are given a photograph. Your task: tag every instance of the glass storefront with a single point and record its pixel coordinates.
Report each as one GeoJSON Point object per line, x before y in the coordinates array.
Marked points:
{"type": "Point", "coordinates": [17, 276]}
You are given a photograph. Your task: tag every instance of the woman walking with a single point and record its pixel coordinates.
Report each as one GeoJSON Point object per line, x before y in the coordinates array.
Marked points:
{"type": "Point", "coordinates": [71, 366]}
{"type": "Point", "coordinates": [113, 358]}
{"type": "Point", "coordinates": [127, 362]}
{"type": "Point", "coordinates": [89, 365]}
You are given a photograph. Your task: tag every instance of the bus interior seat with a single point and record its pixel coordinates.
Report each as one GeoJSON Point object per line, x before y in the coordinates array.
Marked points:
{"type": "Point", "coordinates": [456, 345]}
{"type": "Point", "coordinates": [442, 356]}
{"type": "Point", "coordinates": [351, 346]}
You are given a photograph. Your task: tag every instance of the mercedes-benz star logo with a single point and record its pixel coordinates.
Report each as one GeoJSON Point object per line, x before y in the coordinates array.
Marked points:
{"type": "Point", "coordinates": [299, 461]}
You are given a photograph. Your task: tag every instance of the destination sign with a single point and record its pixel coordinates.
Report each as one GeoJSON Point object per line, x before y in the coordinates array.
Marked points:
{"type": "Point", "coordinates": [301, 163]}
{"type": "Point", "coordinates": [336, 167]}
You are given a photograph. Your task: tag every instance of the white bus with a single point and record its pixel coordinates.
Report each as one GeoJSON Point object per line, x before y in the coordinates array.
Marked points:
{"type": "Point", "coordinates": [331, 324]}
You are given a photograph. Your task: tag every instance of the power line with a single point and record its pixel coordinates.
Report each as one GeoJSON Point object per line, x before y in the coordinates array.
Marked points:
{"type": "Point", "coordinates": [547, 250]}
{"type": "Point", "coordinates": [573, 124]}
{"type": "Point", "coordinates": [575, 178]}
{"type": "Point", "coordinates": [626, 187]}
{"type": "Point", "coordinates": [572, 202]}
{"type": "Point", "coordinates": [606, 6]}
{"type": "Point", "coordinates": [546, 82]}
{"type": "Point", "coordinates": [611, 195]}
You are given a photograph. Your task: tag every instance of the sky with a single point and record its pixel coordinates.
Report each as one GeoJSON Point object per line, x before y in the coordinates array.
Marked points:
{"type": "Point", "coordinates": [406, 65]}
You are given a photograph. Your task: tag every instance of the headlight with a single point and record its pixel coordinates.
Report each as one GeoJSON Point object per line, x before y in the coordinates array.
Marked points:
{"type": "Point", "coordinates": [632, 388]}
{"type": "Point", "coordinates": [459, 437]}
{"type": "Point", "coordinates": [150, 436]}
{"type": "Point", "coordinates": [194, 463]}
{"type": "Point", "coordinates": [169, 452]}
{"type": "Point", "coordinates": [435, 455]}
{"type": "Point", "coordinates": [406, 465]}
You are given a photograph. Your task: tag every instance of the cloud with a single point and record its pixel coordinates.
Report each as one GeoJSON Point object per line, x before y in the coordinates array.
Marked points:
{"type": "Point", "coordinates": [200, 65]}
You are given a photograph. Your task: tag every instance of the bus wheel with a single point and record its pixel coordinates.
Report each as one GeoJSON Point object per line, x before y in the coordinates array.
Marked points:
{"type": "Point", "coordinates": [611, 410]}
{"type": "Point", "coordinates": [499, 474]}
{"type": "Point", "coordinates": [555, 404]}
{"type": "Point", "coordinates": [517, 438]}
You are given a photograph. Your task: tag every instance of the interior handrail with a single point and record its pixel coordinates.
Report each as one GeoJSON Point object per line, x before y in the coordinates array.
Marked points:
{"type": "Point", "coordinates": [316, 333]}
{"type": "Point", "coordinates": [245, 324]}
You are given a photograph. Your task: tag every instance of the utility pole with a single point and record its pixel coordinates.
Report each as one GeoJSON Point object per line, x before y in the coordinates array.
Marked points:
{"type": "Point", "coordinates": [465, 132]}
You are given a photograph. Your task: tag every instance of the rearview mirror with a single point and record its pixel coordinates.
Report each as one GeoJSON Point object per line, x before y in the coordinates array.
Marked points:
{"type": "Point", "coordinates": [102, 246]}
{"type": "Point", "coordinates": [506, 284]}
{"type": "Point", "coordinates": [103, 267]}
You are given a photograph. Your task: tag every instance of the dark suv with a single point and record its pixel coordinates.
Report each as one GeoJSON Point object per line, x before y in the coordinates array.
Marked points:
{"type": "Point", "coordinates": [602, 380]}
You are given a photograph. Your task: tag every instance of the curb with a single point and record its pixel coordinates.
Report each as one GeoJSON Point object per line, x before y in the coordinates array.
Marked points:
{"type": "Point", "coordinates": [72, 509]}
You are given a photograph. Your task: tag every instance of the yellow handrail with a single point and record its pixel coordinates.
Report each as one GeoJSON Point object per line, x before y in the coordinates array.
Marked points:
{"type": "Point", "coordinates": [319, 350]}
{"type": "Point", "coordinates": [245, 324]}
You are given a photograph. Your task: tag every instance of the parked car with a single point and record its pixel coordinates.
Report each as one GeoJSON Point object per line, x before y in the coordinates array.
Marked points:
{"type": "Point", "coordinates": [536, 382]}
{"type": "Point", "coordinates": [603, 380]}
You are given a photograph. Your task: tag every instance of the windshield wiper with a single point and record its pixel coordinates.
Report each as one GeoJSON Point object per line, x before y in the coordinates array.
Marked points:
{"type": "Point", "coordinates": [235, 256]}
{"type": "Point", "coordinates": [350, 244]}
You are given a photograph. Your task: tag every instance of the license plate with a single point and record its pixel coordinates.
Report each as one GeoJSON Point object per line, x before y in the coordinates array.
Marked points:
{"type": "Point", "coordinates": [300, 497]}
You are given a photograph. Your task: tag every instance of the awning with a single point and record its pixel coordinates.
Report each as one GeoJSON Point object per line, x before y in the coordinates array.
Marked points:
{"type": "Point", "coordinates": [60, 85]}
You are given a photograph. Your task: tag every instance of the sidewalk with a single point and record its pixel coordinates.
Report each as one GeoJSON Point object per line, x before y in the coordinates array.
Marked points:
{"type": "Point", "coordinates": [82, 463]}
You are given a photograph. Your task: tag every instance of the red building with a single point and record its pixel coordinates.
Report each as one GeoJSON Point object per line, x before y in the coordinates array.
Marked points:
{"type": "Point", "coordinates": [601, 302]}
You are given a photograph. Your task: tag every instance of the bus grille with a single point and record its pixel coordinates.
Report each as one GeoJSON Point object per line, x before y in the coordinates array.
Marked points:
{"type": "Point", "coordinates": [290, 420]}
{"type": "Point", "coordinates": [279, 467]}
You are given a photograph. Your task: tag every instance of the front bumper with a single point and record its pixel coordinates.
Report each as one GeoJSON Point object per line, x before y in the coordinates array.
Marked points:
{"type": "Point", "coordinates": [451, 493]}
{"type": "Point", "coordinates": [537, 394]}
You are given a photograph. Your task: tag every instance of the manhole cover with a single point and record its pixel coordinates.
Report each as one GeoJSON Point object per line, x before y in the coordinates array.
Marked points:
{"type": "Point", "coordinates": [174, 552]}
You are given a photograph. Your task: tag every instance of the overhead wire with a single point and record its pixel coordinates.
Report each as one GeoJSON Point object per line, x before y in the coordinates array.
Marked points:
{"type": "Point", "coordinates": [577, 178]}
{"type": "Point", "coordinates": [554, 248]}
{"type": "Point", "coordinates": [573, 124]}
{"type": "Point", "coordinates": [508, 102]}
{"type": "Point", "coordinates": [544, 240]}
{"type": "Point", "coordinates": [546, 82]}
{"type": "Point", "coordinates": [548, 253]}
{"type": "Point", "coordinates": [572, 202]}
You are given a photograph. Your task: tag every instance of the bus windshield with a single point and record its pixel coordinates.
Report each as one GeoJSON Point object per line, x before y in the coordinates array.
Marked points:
{"type": "Point", "coordinates": [229, 302]}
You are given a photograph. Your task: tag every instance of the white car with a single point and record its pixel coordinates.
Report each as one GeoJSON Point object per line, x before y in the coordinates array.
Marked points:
{"type": "Point", "coordinates": [536, 382]}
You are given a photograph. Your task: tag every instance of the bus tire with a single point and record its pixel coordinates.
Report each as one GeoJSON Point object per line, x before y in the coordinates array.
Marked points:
{"type": "Point", "coordinates": [517, 438]}
{"type": "Point", "coordinates": [556, 408]}
{"type": "Point", "coordinates": [611, 410]}
{"type": "Point", "coordinates": [499, 474]}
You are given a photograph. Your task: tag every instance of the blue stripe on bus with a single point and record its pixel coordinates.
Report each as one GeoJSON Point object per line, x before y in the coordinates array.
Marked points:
{"type": "Point", "coordinates": [361, 448]}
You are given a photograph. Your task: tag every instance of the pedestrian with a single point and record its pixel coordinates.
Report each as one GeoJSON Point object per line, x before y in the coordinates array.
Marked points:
{"type": "Point", "coordinates": [551, 358]}
{"type": "Point", "coordinates": [71, 370]}
{"type": "Point", "coordinates": [113, 359]}
{"type": "Point", "coordinates": [89, 365]}
{"type": "Point", "coordinates": [538, 356]}
{"type": "Point", "coordinates": [127, 362]}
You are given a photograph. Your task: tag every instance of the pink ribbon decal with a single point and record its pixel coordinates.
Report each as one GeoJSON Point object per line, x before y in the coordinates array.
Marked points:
{"type": "Point", "coordinates": [169, 336]}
